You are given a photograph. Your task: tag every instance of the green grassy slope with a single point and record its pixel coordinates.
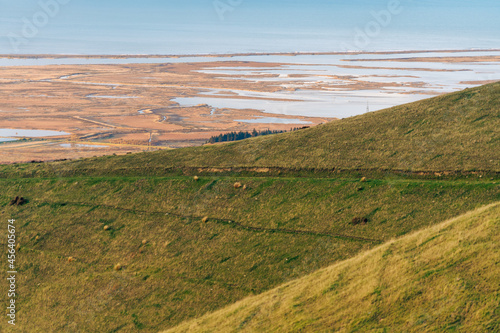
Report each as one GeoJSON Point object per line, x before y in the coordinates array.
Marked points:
{"type": "Point", "coordinates": [451, 132]}
{"type": "Point", "coordinates": [441, 279]}
{"type": "Point", "coordinates": [285, 224]}
{"type": "Point", "coordinates": [273, 231]}
{"type": "Point", "coordinates": [454, 132]}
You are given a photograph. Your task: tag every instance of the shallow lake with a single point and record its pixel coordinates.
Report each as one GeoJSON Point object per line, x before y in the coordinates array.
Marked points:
{"type": "Point", "coordinates": [273, 120]}
{"type": "Point", "coordinates": [77, 145]}
{"type": "Point", "coordinates": [328, 104]}
{"type": "Point", "coordinates": [21, 133]}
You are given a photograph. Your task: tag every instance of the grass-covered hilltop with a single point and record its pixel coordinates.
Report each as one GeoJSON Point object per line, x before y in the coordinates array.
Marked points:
{"type": "Point", "coordinates": [351, 225]}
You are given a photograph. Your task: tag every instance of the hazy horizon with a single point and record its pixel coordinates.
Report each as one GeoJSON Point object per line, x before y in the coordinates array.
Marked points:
{"type": "Point", "coordinates": [229, 26]}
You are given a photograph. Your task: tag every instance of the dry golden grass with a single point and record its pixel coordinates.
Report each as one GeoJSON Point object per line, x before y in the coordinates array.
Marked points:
{"type": "Point", "coordinates": [444, 278]}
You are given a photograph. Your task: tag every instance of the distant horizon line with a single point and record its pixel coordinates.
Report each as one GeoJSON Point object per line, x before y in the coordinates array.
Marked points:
{"type": "Point", "coordinates": [236, 54]}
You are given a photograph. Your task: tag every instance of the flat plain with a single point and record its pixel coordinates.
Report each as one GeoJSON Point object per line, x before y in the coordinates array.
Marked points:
{"type": "Point", "coordinates": [127, 106]}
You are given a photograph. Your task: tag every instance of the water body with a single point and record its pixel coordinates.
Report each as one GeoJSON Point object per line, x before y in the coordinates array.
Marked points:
{"type": "Point", "coordinates": [310, 103]}
{"type": "Point", "coordinates": [295, 59]}
{"type": "Point", "coordinates": [77, 145]}
{"type": "Point", "coordinates": [314, 74]}
{"type": "Point", "coordinates": [7, 139]}
{"type": "Point", "coordinates": [404, 82]}
{"type": "Point", "coordinates": [273, 120]}
{"type": "Point", "coordinates": [116, 97]}
{"type": "Point", "coordinates": [64, 77]}
{"type": "Point", "coordinates": [104, 61]}
{"type": "Point", "coordinates": [24, 133]}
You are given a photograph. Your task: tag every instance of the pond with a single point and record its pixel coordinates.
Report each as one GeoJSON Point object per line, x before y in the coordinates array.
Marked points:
{"type": "Point", "coordinates": [27, 133]}
{"type": "Point", "coordinates": [273, 120]}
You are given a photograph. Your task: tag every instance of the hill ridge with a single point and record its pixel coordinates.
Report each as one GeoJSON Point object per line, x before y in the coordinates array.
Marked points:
{"type": "Point", "coordinates": [254, 313]}
{"type": "Point", "coordinates": [455, 133]}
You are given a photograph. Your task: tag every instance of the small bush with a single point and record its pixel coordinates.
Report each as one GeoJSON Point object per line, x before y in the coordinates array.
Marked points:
{"type": "Point", "coordinates": [359, 220]}
{"type": "Point", "coordinates": [18, 201]}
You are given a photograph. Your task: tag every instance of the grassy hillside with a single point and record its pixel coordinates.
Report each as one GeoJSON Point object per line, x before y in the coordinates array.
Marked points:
{"type": "Point", "coordinates": [189, 246]}
{"type": "Point", "coordinates": [457, 132]}
{"type": "Point", "coordinates": [256, 238]}
{"type": "Point", "coordinates": [441, 279]}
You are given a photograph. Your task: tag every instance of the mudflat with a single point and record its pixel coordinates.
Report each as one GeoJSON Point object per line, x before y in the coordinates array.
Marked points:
{"type": "Point", "coordinates": [130, 107]}
{"type": "Point", "coordinates": [118, 109]}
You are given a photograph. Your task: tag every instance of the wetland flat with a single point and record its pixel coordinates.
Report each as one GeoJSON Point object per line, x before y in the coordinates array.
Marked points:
{"type": "Point", "coordinates": [120, 104]}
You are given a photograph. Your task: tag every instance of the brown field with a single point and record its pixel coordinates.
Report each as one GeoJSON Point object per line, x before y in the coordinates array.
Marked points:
{"type": "Point", "coordinates": [125, 108]}
{"type": "Point", "coordinates": [60, 98]}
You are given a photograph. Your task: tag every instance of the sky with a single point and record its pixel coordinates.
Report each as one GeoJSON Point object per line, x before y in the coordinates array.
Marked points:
{"type": "Point", "coordinates": [229, 26]}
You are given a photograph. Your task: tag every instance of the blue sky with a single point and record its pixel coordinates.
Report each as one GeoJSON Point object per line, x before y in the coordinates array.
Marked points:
{"type": "Point", "coordinates": [219, 26]}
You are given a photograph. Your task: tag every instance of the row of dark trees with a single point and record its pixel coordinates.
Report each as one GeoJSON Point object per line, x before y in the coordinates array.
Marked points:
{"type": "Point", "coordinates": [236, 136]}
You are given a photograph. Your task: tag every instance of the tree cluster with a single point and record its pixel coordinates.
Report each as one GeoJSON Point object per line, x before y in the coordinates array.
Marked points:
{"type": "Point", "coordinates": [236, 136]}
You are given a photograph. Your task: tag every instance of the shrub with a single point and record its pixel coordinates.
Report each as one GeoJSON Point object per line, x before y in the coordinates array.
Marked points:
{"type": "Point", "coordinates": [359, 220]}
{"type": "Point", "coordinates": [18, 201]}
